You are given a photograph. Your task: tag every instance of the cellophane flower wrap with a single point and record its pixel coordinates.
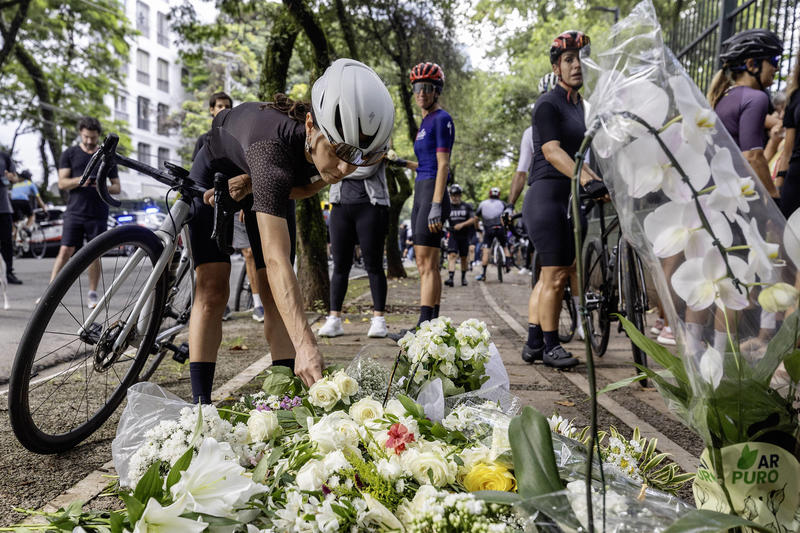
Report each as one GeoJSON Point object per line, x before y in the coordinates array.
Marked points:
{"type": "Point", "coordinates": [723, 260]}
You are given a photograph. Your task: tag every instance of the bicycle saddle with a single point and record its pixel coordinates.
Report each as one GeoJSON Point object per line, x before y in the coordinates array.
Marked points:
{"type": "Point", "coordinates": [176, 170]}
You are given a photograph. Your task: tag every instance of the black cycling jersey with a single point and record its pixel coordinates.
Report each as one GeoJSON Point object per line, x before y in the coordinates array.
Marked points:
{"type": "Point", "coordinates": [460, 213]}
{"type": "Point", "coordinates": [266, 144]}
{"type": "Point", "coordinates": [556, 118]}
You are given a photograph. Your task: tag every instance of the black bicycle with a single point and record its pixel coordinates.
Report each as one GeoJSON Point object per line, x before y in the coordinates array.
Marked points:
{"type": "Point", "coordinates": [244, 292]}
{"type": "Point", "coordinates": [75, 362]}
{"type": "Point", "coordinates": [614, 284]}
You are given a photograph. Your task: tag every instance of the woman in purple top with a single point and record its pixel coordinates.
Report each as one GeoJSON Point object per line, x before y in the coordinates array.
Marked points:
{"type": "Point", "coordinates": [738, 94]}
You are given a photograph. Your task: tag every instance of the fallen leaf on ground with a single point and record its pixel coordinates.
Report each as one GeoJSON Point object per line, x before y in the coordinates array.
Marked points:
{"type": "Point", "coordinates": [239, 347]}
{"type": "Point", "coordinates": [565, 403]}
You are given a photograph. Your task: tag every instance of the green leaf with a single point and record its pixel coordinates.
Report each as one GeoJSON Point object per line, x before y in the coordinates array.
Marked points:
{"type": "Point", "coordinates": [705, 521]}
{"type": "Point", "coordinates": [622, 383]}
{"type": "Point", "coordinates": [260, 471]}
{"type": "Point", "coordinates": [792, 365]}
{"type": "Point", "coordinates": [532, 448]}
{"type": "Point", "coordinates": [150, 486]}
{"type": "Point", "coordinates": [497, 496]}
{"type": "Point", "coordinates": [781, 346]}
{"type": "Point", "coordinates": [180, 465]}
{"type": "Point", "coordinates": [116, 521]}
{"type": "Point", "coordinates": [278, 381]}
{"type": "Point", "coordinates": [654, 350]}
{"type": "Point", "coordinates": [747, 459]}
{"type": "Point", "coordinates": [134, 506]}
{"type": "Point", "coordinates": [412, 407]}
{"type": "Point", "coordinates": [301, 415]}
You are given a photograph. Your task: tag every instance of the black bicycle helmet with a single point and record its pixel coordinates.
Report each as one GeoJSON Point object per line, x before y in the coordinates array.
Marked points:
{"type": "Point", "coordinates": [25, 175]}
{"type": "Point", "coordinates": [455, 189]}
{"type": "Point", "coordinates": [755, 44]}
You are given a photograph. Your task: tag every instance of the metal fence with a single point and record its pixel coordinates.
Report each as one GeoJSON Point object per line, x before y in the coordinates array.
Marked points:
{"type": "Point", "coordinates": [704, 24]}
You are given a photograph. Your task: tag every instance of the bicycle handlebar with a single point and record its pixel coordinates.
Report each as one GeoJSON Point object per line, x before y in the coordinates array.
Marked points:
{"type": "Point", "coordinates": [101, 161]}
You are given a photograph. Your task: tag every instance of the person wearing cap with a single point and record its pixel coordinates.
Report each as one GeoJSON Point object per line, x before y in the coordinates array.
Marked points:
{"type": "Point", "coordinates": [276, 152]}
{"type": "Point", "coordinates": [462, 221]}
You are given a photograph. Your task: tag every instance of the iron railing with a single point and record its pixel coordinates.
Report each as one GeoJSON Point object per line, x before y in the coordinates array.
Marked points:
{"type": "Point", "coordinates": [704, 24]}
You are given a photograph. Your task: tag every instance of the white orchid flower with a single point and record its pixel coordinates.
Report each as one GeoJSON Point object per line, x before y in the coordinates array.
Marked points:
{"type": "Point", "coordinates": [711, 366]}
{"type": "Point", "coordinates": [158, 519]}
{"type": "Point", "coordinates": [763, 256]}
{"type": "Point", "coordinates": [778, 297]}
{"type": "Point", "coordinates": [698, 122]}
{"type": "Point", "coordinates": [732, 192]}
{"type": "Point", "coordinates": [674, 228]}
{"type": "Point", "coordinates": [214, 484]}
{"type": "Point", "coordinates": [645, 167]}
{"type": "Point", "coordinates": [701, 282]}
{"type": "Point", "coordinates": [791, 238]}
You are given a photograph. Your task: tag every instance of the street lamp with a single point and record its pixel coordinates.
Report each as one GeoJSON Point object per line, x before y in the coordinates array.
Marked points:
{"type": "Point", "coordinates": [614, 10]}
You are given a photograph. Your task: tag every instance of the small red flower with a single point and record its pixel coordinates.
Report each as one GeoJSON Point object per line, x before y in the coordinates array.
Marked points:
{"type": "Point", "coordinates": [399, 436]}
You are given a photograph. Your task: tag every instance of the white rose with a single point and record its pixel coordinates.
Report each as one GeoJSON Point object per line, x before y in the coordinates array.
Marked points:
{"type": "Point", "coordinates": [311, 476]}
{"type": "Point", "coordinates": [324, 436]}
{"type": "Point", "coordinates": [262, 425]}
{"type": "Point", "coordinates": [391, 468]}
{"type": "Point", "coordinates": [394, 407]}
{"type": "Point", "coordinates": [428, 465]}
{"type": "Point", "coordinates": [336, 431]}
{"type": "Point", "coordinates": [324, 394]}
{"type": "Point", "coordinates": [473, 456]}
{"type": "Point", "coordinates": [347, 385]}
{"type": "Point", "coordinates": [366, 409]}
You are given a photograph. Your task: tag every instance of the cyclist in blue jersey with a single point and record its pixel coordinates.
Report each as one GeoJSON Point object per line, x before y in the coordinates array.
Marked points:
{"type": "Point", "coordinates": [432, 147]}
{"type": "Point", "coordinates": [23, 194]}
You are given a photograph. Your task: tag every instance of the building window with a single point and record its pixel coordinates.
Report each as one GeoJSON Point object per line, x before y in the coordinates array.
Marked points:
{"type": "Point", "coordinates": [121, 108]}
{"type": "Point", "coordinates": [163, 75]}
{"type": "Point", "coordinates": [162, 31]}
{"type": "Point", "coordinates": [162, 119]}
{"type": "Point", "coordinates": [163, 155]}
{"type": "Point", "coordinates": [143, 153]}
{"type": "Point", "coordinates": [143, 67]}
{"type": "Point", "coordinates": [143, 113]}
{"type": "Point", "coordinates": [143, 18]}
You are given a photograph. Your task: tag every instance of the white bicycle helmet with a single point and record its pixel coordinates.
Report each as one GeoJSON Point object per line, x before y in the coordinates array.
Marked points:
{"type": "Point", "coordinates": [548, 82]}
{"type": "Point", "coordinates": [494, 192]}
{"type": "Point", "coordinates": [353, 108]}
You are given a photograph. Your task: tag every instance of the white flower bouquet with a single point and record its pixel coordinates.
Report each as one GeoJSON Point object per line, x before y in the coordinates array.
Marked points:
{"type": "Point", "coordinates": [724, 262]}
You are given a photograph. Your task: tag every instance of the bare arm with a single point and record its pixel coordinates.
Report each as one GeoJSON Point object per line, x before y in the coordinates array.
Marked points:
{"type": "Point", "coordinates": [307, 191]}
{"type": "Point", "coordinates": [40, 202]}
{"type": "Point", "coordinates": [759, 163]}
{"type": "Point", "coordinates": [65, 181]}
{"type": "Point", "coordinates": [442, 171]}
{"type": "Point", "coordinates": [557, 157]}
{"type": "Point", "coordinates": [288, 299]}
{"type": "Point", "coordinates": [115, 187]}
{"type": "Point", "coordinates": [517, 184]}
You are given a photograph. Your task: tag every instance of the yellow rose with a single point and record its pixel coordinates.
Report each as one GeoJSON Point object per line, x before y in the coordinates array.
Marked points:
{"type": "Point", "coordinates": [490, 477]}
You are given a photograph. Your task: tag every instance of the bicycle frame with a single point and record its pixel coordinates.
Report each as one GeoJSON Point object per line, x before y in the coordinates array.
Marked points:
{"type": "Point", "coordinates": [167, 233]}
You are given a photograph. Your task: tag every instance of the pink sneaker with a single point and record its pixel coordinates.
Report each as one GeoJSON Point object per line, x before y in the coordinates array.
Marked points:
{"type": "Point", "coordinates": [657, 327]}
{"type": "Point", "coordinates": [666, 337]}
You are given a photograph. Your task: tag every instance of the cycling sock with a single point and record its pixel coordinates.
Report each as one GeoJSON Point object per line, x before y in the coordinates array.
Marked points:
{"type": "Point", "coordinates": [436, 311]}
{"type": "Point", "coordinates": [425, 314]}
{"type": "Point", "coordinates": [550, 340]}
{"type": "Point", "coordinates": [535, 339]}
{"type": "Point", "coordinates": [463, 275]}
{"type": "Point", "coordinates": [484, 271]}
{"type": "Point", "coordinates": [201, 375]}
{"type": "Point", "coordinates": [452, 273]}
{"type": "Point", "coordinates": [288, 363]}
{"type": "Point", "coordinates": [257, 300]}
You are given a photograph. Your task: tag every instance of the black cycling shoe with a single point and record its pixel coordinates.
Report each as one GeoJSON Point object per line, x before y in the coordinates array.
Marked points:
{"type": "Point", "coordinates": [558, 357]}
{"type": "Point", "coordinates": [449, 282]}
{"type": "Point", "coordinates": [400, 334]}
{"type": "Point", "coordinates": [12, 279]}
{"type": "Point", "coordinates": [532, 355]}
{"type": "Point", "coordinates": [464, 282]}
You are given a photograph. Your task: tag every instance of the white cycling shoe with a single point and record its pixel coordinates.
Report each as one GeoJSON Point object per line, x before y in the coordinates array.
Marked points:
{"type": "Point", "coordinates": [332, 327]}
{"type": "Point", "coordinates": [377, 328]}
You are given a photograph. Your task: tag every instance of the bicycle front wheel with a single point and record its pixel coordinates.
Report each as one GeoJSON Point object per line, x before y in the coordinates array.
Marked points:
{"type": "Point", "coordinates": [635, 297]}
{"type": "Point", "coordinates": [67, 377]}
{"type": "Point", "coordinates": [244, 292]}
{"type": "Point", "coordinates": [499, 261]}
{"type": "Point", "coordinates": [597, 292]}
{"type": "Point", "coordinates": [568, 317]}
{"type": "Point", "coordinates": [38, 242]}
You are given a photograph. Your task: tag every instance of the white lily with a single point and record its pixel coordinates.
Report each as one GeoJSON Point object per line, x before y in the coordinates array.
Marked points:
{"type": "Point", "coordinates": [778, 297]}
{"type": "Point", "coordinates": [674, 228]}
{"type": "Point", "coordinates": [701, 282]}
{"type": "Point", "coordinates": [763, 256]}
{"type": "Point", "coordinates": [698, 122]}
{"type": "Point", "coordinates": [378, 515]}
{"type": "Point", "coordinates": [214, 484]}
{"type": "Point", "coordinates": [158, 519]}
{"type": "Point", "coordinates": [711, 366]}
{"type": "Point", "coordinates": [791, 238]}
{"type": "Point", "coordinates": [732, 192]}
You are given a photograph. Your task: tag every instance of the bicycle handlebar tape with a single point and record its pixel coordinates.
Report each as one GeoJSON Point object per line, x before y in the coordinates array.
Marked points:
{"type": "Point", "coordinates": [106, 156]}
{"type": "Point", "coordinates": [223, 215]}
{"type": "Point", "coordinates": [396, 162]}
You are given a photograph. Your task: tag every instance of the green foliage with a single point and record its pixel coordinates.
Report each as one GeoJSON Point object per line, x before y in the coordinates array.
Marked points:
{"type": "Point", "coordinates": [534, 460]}
{"type": "Point", "coordinates": [366, 476]}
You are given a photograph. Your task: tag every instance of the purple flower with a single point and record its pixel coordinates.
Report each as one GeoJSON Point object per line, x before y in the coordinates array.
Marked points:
{"type": "Point", "coordinates": [325, 489]}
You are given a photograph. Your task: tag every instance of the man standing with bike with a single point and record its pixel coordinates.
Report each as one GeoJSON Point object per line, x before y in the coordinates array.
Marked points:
{"type": "Point", "coordinates": [86, 216]}
{"type": "Point", "coordinates": [462, 220]}
{"type": "Point", "coordinates": [8, 175]}
{"type": "Point", "coordinates": [491, 211]}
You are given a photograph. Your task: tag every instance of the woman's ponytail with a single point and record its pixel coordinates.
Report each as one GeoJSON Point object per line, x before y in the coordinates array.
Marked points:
{"type": "Point", "coordinates": [721, 83]}
{"type": "Point", "coordinates": [297, 110]}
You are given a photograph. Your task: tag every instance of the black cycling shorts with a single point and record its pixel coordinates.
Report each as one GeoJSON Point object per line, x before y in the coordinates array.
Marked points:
{"type": "Point", "coordinates": [495, 232]}
{"type": "Point", "coordinates": [77, 229]}
{"type": "Point", "coordinates": [458, 243]}
{"type": "Point", "coordinates": [549, 228]}
{"type": "Point", "coordinates": [423, 197]}
{"type": "Point", "coordinates": [22, 209]}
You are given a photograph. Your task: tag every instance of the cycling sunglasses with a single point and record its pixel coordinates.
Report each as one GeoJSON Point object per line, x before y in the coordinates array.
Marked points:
{"type": "Point", "coordinates": [350, 154]}
{"type": "Point", "coordinates": [423, 87]}
{"type": "Point", "coordinates": [774, 61]}
{"type": "Point", "coordinates": [572, 42]}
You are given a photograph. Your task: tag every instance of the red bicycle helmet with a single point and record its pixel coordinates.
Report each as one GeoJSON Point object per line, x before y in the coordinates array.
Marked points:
{"type": "Point", "coordinates": [569, 40]}
{"type": "Point", "coordinates": [430, 72]}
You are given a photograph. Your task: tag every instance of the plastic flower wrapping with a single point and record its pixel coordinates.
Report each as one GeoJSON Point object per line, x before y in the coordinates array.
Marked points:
{"type": "Point", "coordinates": [721, 256]}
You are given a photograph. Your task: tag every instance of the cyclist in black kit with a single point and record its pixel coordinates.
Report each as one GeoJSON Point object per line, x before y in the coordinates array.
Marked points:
{"type": "Point", "coordinates": [558, 123]}
{"type": "Point", "coordinates": [462, 224]}
{"type": "Point", "coordinates": [491, 211]}
{"type": "Point", "coordinates": [280, 151]}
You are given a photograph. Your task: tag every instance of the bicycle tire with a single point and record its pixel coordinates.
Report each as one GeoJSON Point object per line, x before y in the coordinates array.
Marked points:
{"type": "Point", "coordinates": [38, 242]}
{"type": "Point", "coordinates": [244, 292]}
{"type": "Point", "coordinates": [568, 317]}
{"type": "Point", "coordinates": [634, 298]}
{"type": "Point", "coordinates": [19, 246]}
{"type": "Point", "coordinates": [26, 426]}
{"type": "Point", "coordinates": [597, 292]}
{"type": "Point", "coordinates": [499, 262]}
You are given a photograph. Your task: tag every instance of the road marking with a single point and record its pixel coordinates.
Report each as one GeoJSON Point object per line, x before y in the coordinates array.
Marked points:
{"type": "Point", "coordinates": [687, 461]}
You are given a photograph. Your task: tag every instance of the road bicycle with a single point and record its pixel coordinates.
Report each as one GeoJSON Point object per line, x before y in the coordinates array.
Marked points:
{"type": "Point", "coordinates": [244, 292]}
{"type": "Point", "coordinates": [30, 240]}
{"type": "Point", "coordinates": [614, 284]}
{"type": "Point", "coordinates": [74, 363]}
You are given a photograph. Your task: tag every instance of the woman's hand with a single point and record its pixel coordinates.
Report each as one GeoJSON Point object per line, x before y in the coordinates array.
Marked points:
{"type": "Point", "coordinates": [240, 186]}
{"type": "Point", "coordinates": [208, 197]}
{"type": "Point", "coordinates": [308, 364]}
{"type": "Point", "coordinates": [587, 176]}
{"type": "Point", "coordinates": [435, 217]}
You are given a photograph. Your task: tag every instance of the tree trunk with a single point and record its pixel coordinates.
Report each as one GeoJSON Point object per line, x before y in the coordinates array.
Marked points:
{"type": "Point", "coordinates": [312, 254]}
{"type": "Point", "coordinates": [46, 115]}
{"type": "Point", "coordinates": [10, 33]}
{"type": "Point", "coordinates": [347, 29]}
{"type": "Point", "coordinates": [46, 196]}
{"type": "Point", "coordinates": [280, 45]}
{"type": "Point", "coordinates": [399, 191]}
